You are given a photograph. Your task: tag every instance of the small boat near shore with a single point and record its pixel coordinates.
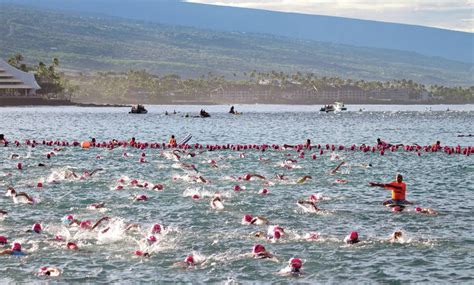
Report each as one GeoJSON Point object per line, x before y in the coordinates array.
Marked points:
{"type": "Point", "coordinates": [336, 107]}
{"type": "Point", "coordinates": [138, 109]}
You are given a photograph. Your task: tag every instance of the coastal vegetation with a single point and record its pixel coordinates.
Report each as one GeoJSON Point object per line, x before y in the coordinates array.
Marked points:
{"type": "Point", "coordinates": [142, 86]}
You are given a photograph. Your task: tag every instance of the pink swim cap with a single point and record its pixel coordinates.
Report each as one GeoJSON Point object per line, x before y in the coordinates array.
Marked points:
{"type": "Point", "coordinates": [189, 260]}
{"type": "Point", "coordinates": [119, 187]}
{"type": "Point", "coordinates": [313, 197]}
{"type": "Point", "coordinates": [16, 246]}
{"type": "Point", "coordinates": [39, 185]}
{"type": "Point", "coordinates": [85, 224]}
{"type": "Point", "coordinates": [258, 248]}
{"type": "Point", "coordinates": [156, 229]}
{"type": "Point", "coordinates": [237, 188]}
{"type": "Point", "coordinates": [264, 191]}
{"type": "Point", "coordinates": [247, 218]}
{"type": "Point", "coordinates": [296, 263]}
{"type": "Point", "coordinates": [19, 166]}
{"type": "Point", "coordinates": [247, 177]}
{"type": "Point", "coordinates": [196, 197]}
{"type": "Point", "coordinates": [37, 228]}
{"type": "Point", "coordinates": [3, 240]}
{"type": "Point", "coordinates": [58, 237]}
{"type": "Point", "coordinates": [277, 234]}
{"type": "Point", "coordinates": [151, 238]}
{"type": "Point", "coordinates": [418, 209]}
{"type": "Point", "coordinates": [141, 197]}
{"type": "Point", "coordinates": [354, 236]}
{"type": "Point", "coordinates": [71, 245]}
{"type": "Point", "coordinates": [158, 187]}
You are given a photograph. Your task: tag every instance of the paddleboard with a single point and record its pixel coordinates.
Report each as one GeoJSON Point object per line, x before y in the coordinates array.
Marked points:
{"type": "Point", "coordinates": [185, 139]}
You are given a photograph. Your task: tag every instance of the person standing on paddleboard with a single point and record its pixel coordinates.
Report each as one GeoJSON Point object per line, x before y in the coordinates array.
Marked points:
{"type": "Point", "coordinates": [398, 188]}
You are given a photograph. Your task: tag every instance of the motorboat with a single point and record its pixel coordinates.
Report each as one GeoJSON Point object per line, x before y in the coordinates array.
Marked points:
{"type": "Point", "coordinates": [336, 107]}
{"type": "Point", "coordinates": [138, 109]}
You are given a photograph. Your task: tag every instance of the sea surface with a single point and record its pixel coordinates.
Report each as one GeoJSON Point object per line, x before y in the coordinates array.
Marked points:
{"type": "Point", "coordinates": [434, 248]}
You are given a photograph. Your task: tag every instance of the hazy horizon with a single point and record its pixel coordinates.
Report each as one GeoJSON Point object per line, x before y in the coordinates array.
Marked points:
{"type": "Point", "coordinates": [445, 14]}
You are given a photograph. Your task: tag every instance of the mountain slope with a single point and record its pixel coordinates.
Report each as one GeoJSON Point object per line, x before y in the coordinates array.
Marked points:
{"type": "Point", "coordinates": [102, 43]}
{"type": "Point", "coordinates": [424, 40]}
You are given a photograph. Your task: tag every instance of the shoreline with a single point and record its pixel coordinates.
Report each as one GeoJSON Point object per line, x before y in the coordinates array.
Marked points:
{"type": "Point", "coordinates": [65, 103]}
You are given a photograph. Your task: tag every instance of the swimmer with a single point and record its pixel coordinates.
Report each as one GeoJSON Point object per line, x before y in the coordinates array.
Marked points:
{"type": "Point", "coordinates": [260, 252]}
{"type": "Point", "coordinates": [333, 171]}
{"type": "Point", "coordinates": [189, 261]}
{"type": "Point", "coordinates": [49, 271]}
{"type": "Point", "coordinates": [21, 198]}
{"type": "Point", "coordinates": [303, 179]}
{"type": "Point", "coordinates": [155, 229]}
{"type": "Point", "coordinates": [248, 219]}
{"type": "Point", "coordinates": [281, 177]}
{"type": "Point", "coordinates": [216, 202]}
{"type": "Point", "coordinates": [14, 156]}
{"type": "Point", "coordinates": [3, 240]}
{"type": "Point", "coordinates": [141, 253]}
{"type": "Point", "coordinates": [15, 250]}
{"type": "Point", "coordinates": [294, 267]}
{"type": "Point", "coordinates": [398, 189]}
{"type": "Point", "coordinates": [311, 205]}
{"type": "Point", "coordinates": [36, 228]}
{"type": "Point", "coordinates": [189, 166]}
{"type": "Point", "coordinates": [249, 176]}
{"type": "Point", "coordinates": [96, 206]}
{"type": "Point", "coordinates": [427, 211]}
{"type": "Point", "coordinates": [89, 174]}
{"type": "Point", "coordinates": [352, 238]}
{"type": "Point", "coordinates": [396, 236]}
{"type": "Point", "coordinates": [275, 232]}
{"type": "Point", "coordinates": [10, 191]}
{"type": "Point", "coordinates": [260, 234]}
{"type": "Point", "coordinates": [3, 214]}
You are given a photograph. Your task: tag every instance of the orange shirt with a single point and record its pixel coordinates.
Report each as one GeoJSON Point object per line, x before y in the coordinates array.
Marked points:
{"type": "Point", "coordinates": [172, 142]}
{"type": "Point", "coordinates": [397, 194]}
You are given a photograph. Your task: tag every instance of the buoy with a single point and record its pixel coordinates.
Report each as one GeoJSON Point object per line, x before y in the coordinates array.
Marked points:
{"type": "Point", "coordinates": [85, 144]}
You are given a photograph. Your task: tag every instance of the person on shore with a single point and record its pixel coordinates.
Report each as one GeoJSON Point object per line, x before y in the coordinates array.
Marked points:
{"type": "Point", "coordinates": [398, 188]}
{"type": "Point", "coordinates": [232, 110]}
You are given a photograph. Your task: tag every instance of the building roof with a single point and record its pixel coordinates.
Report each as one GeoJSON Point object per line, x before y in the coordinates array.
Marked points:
{"type": "Point", "coordinates": [13, 78]}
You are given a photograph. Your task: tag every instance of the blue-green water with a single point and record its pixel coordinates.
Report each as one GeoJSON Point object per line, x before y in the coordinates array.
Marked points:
{"type": "Point", "coordinates": [434, 248]}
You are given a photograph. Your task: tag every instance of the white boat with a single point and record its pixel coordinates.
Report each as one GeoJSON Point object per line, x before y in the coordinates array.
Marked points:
{"type": "Point", "coordinates": [336, 107]}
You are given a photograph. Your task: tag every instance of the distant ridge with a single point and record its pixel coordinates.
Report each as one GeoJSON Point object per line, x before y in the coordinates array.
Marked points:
{"type": "Point", "coordinates": [104, 43]}
{"type": "Point", "coordinates": [448, 44]}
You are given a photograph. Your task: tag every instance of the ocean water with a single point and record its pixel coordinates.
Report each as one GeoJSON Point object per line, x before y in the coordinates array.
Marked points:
{"type": "Point", "coordinates": [435, 248]}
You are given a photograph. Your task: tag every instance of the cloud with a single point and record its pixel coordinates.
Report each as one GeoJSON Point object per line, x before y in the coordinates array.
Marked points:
{"type": "Point", "coordinates": [448, 14]}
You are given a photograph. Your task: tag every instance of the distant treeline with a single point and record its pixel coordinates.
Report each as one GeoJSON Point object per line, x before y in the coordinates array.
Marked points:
{"type": "Point", "coordinates": [142, 86]}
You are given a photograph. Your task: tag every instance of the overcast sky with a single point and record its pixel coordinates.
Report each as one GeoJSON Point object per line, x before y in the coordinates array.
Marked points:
{"type": "Point", "coordinates": [447, 14]}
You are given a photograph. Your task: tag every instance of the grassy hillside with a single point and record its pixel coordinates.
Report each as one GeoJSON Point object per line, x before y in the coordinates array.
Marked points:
{"type": "Point", "coordinates": [424, 40]}
{"type": "Point", "coordinates": [100, 43]}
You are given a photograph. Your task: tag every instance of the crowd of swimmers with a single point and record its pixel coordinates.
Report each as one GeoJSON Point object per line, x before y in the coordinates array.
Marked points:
{"type": "Point", "coordinates": [398, 203]}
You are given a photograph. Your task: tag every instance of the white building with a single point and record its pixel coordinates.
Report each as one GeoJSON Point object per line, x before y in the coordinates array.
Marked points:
{"type": "Point", "coordinates": [16, 83]}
